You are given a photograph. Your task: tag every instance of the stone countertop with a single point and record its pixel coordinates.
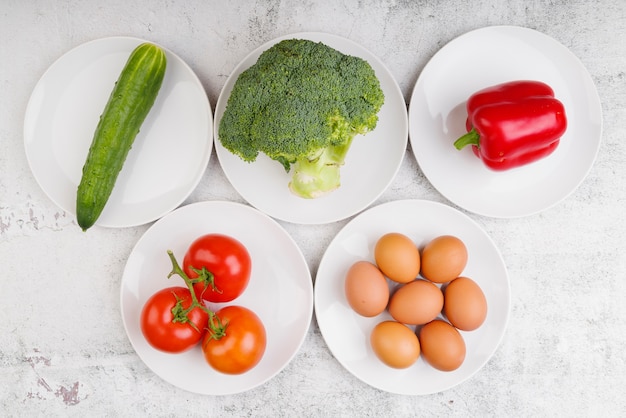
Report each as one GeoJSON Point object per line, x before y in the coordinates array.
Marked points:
{"type": "Point", "coordinates": [65, 351]}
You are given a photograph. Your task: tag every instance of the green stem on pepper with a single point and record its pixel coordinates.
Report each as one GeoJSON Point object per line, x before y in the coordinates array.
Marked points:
{"type": "Point", "coordinates": [470, 138]}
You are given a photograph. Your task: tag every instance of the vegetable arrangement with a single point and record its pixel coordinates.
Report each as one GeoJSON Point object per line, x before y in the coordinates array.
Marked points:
{"type": "Point", "coordinates": [513, 124]}
{"type": "Point", "coordinates": [429, 304]}
{"type": "Point", "coordinates": [302, 103]}
{"type": "Point", "coordinates": [130, 102]}
{"type": "Point", "coordinates": [176, 319]}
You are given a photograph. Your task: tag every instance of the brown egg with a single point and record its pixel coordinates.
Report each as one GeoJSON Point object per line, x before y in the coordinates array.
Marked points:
{"type": "Point", "coordinates": [465, 304]}
{"type": "Point", "coordinates": [442, 345]}
{"type": "Point", "coordinates": [366, 289]}
{"type": "Point", "coordinates": [395, 344]}
{"type": "Point", "coordinates": [397, 257]}
{"type": "Point", "coordinates": [443, 259]}
{"type": "Point", "coordinates": [416, 303]}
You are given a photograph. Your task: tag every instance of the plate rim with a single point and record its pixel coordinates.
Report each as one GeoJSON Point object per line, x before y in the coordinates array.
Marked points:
{"type": "Point", "coordinates": [317, 36]}
{"type": "Point", "coordinates": [202, 168]}
{"type": "Point", "coordinates": [585, 75]}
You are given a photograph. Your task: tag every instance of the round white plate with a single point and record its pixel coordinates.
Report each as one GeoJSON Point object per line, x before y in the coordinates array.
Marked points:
{"type": "Point", "coordinates": [169, 154]}
{"type": "Point", "coordinates": [370, 166]}
{"type": "Point", "coordinates": [280, 291]}
{"type": "Point", "coordinates": [437, 114]}
{"type": "Point", "coordinates": [347, 333]}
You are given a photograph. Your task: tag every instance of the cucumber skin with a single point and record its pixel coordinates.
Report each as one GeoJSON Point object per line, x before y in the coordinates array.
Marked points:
{"type": "Point", "coordinates": [132, 97]}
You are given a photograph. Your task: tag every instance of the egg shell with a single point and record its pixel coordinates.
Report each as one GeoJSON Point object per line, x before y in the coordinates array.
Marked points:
{"type": "Point", "coordinates": [443, 259]}
{"type": "Point", "coordinates": [416, 303]}
{"type": "Point", "coordinates": [398, 257]}
{"type": "Point", "coordinates": [395, 344]}
{"type": "Point", "coordinates": [366, 289]}
{"type": "Point", "coordinates": [465, 305]}
{"type": "Point", "coordinates": [442, 345]}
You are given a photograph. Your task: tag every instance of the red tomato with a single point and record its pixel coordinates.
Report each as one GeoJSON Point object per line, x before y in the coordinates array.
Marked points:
{"type": "Point", "coordinates": [165, 325]}
{"type": "Point", "coordinates": [241, 344]}
{"type": "Point", "coordinates": [227, 261]}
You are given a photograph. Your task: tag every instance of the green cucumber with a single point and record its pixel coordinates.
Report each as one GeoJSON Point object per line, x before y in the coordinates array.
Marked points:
{"type": "Point", "coordinates": [130, 102]}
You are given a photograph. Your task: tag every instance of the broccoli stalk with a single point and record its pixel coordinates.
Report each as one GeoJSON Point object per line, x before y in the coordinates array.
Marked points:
{"type": "Point", "coordinates": [318, 175]}
{"type": "Point", "coordinates": [302, 104]}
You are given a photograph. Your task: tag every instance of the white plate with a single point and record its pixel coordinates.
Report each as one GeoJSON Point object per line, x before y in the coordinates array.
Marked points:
{"type": "Point", "coordinates": [169, 154]}
{"type": "Point", "coordinates": [437, 115]}
{"type": "Point", "coordinates": [370, 166]}
{"type": "Point", "coordinates": [280, 291]}
{"type": "Point", "coordinates": [347, 333]}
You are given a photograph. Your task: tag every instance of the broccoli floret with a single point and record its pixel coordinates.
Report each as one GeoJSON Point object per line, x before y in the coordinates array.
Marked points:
{"type": "Point", "coordinates": [301, 104]}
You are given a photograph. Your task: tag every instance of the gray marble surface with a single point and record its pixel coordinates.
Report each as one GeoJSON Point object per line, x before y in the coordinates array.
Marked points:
{"type": "Point", "coordinates": [64, 350]}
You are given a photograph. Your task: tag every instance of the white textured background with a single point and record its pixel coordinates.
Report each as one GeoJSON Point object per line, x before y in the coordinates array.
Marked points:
{"type": "Point", "coordinates": [64, 351]}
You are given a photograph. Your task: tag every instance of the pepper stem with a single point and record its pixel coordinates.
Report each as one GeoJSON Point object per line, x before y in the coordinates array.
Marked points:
{"type": "Point", "coordinates": [470, 138]}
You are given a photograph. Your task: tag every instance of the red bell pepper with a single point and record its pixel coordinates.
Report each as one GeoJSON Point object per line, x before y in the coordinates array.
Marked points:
{"type": "Point", "coordinates": [513, 124]}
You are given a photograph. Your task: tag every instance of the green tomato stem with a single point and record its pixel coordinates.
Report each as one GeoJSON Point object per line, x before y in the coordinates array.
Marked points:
{"type": "Point", "coordinates": [216, 327]}
{"type": "Point", "coordinates": [180, 314]}
{"type": "Point", "coordinates": [205, 277]}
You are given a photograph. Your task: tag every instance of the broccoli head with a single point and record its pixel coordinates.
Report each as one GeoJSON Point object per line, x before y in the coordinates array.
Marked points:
{"type": "Point", "coordinates": [301, 104]}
